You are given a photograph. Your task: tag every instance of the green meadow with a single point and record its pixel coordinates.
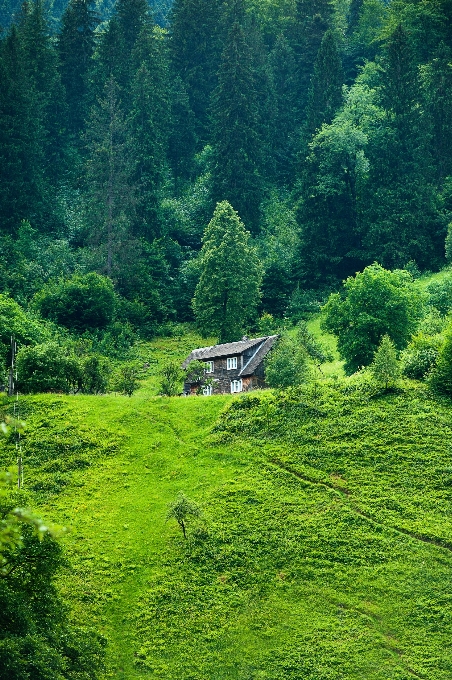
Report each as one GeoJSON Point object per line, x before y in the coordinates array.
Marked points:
{"type": "Point", "coordinates": [324, 549]}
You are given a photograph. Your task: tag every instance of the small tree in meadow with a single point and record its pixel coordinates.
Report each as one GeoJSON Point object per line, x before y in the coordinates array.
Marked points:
{"type": "Point", "coordinates": [181, 509]}
{"type": "Point", "coordinates": [385, 368]}
{"type": "Point", "coordinates": [287, 364]}
{"type": "Point", "coordinates": [170, 378]}
{"type": "Point", "coordinates": [441, 376]}
{"type": "Point", "coordinates": [126, 379]}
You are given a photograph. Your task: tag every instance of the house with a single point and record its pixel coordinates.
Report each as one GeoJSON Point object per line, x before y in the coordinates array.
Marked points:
{"type": "Point", "coordinates": [232, 367]}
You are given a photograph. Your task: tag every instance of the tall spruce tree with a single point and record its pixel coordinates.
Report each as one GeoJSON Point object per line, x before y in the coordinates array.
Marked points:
{"type": "Point", "coordinates": [76, 46]}
{"type": "Point", "coordinates": [312, 20]}
{"type": "Point", "coordinates": [227, 294]}
{"type": "Point", "coordinates": [182, 139]}
{"type": "Point", "coordinates": [196, 36]}
{"type": "Point", "coordinates": [24, 187]}
{"type": "Point", "coordinates": [41, 65]}
{"type": "Point", "coordinates": [149, 124]}
{"type": "Point", "coordinates": [325, 93]}
{"type": "Point", "coordinates": [437, 82]}
{"type": "Point", "coordinates": [111, 193]}
{"type": "Point", "coordinates": [235, 117]}
{"type": "Point", "coordinates": [400, 204]}
{"type": "Point", "coordinates": [286, 124]}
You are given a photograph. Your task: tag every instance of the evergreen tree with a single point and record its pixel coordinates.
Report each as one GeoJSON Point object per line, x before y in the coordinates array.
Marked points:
{"type": "Point", "coordinates": [196, 33]}
{"type": "Point", "coordinates": [227, 294]}
{"type": "Point", "coordinates": [23, 189]}
{"type": "Point", "coordinates": [76, 47]}
{"type": "Point", "coordinates": [237, 147]}
{"type": "Point", "coordinates": [441, 377]}
{"type": "Point", "coordinates": [182, 139]}
{"type": "Point", "coordinates": [286, 124]}
{"type": "Point", "coordinates": [312, 20]}
{"type": "Point", "coordinates": [149, 128]}
{"type": "Point", "coordinates": [109, 177]}
{"type": "Point", "coordinates": [399, 206]}
{"type": "Point", "coordinates": [385, 367]}
{"type": "Point", "coordinates": [437, 81]}
{"type": "Point", "coordinates": [41, 65]}
{"type": "Point", "coordinates": [325, 93]}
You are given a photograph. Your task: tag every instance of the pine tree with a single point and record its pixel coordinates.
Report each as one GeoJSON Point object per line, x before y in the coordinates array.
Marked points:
{"type": "Point", "coordinates": [227, 294]}
{"type": "Point", "coordinates": [286, 125]}
{"type": "Point", "coordinates": [76, 46]}
{"type": "Point", "coordinates": [400, 205]}
{"type": "Point", "coordinates": [23, 189]}
{"type": "Point", "coordinates": [196, 47]}
{"type": "Point", "coordinates": [182, 140]}
{"type": "Point", "coordinates": [312, 20]}
{"type": "Point", "coordinates": [325, 93]}
{"type": "Point", "coordinates": [111, 191]}
{"type": "Point", "coordinates": [437, 82]}
{"type": "Point", "coordinates": [237, 147]}
{"type": "Point", "coordinates": [41, 65]}
{"type": "Point", "coordinates": [385, 367]}
{"type": "Point", "coordinates": [149, 127]}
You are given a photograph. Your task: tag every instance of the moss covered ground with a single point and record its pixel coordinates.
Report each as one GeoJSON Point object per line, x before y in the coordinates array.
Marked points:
{"type": "Point", "coordinates": [325, 547]}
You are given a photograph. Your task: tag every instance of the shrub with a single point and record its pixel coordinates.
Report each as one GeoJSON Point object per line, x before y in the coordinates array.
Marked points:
{"type": "Point", "coordinates": [287, 364]}
{"type": "Point", "coordinates": [420, 356]}
{"type": "Point", "coordinates": [126, 378]}
{"type": "Point", "coordinates": [14, 320]}
{"type": "Point", "coordinates": [441, 376]}
{"type": "Point", "coordinates": [440, 293]}
{"type": "Point", "coordinates": [47, 367]}
{"type": "Point", "coordinates": [372, 304]}
{"type": "Point", "coordinates": [95, 374]}
{"type": "Point", "coordinates": [385, 367]}
{"type": "Point", "coordinates": [79, 303]}
{"type": "Point", "coordinates": [170, 378]}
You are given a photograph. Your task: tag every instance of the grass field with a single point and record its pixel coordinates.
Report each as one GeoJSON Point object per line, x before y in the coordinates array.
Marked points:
{"type": "Point", "coordinates": [323, 552]}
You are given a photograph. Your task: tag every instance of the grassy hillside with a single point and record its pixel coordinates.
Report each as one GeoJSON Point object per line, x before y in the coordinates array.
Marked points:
{"type": "Point", "coordinates": [323, 553]}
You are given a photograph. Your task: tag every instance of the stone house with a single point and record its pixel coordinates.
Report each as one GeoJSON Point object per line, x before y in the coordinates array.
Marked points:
{"type": "Point", "coordinates": [232, 367]}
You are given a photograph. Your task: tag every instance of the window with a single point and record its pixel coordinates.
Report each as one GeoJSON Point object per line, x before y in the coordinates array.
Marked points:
{"type": "Point", "coordinates": [207, 391]}
{"type": "Point", "coordinates": [231, 362]}
{"type": "Point", "coordinates": [236, 386]}
{"type": "Point", "coordinates": [209, 366]}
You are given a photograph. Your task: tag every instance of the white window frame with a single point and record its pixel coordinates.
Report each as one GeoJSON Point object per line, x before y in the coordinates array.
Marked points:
{"type": "Point", "coordinates": [209, 366]}
{"type": "Point", "coordinates": [207, 390]}
{"type": "Point", "coordinates": [231, 363]}
{"type": "Point", "coordinates": [236, 386]}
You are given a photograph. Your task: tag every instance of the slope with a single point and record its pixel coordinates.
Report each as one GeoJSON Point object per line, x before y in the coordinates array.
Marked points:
{"type": "Point", "coordinates": [324, 550]}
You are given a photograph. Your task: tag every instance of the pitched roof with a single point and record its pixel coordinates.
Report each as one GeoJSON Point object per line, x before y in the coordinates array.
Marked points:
{"type": "Point", "coordinates": [227, 349]}
{"type": "Point", "coordinates": [259, 355]}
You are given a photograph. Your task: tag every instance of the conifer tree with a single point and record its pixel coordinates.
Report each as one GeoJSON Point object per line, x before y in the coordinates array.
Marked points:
{"type": "Point", "coordinates": [109, 177]}
{"type": "Point", "coordinates": [437, 82]}
{"type": "Point", "coordinates": [23, 189]}
{"type": "Point", "coordinates": [400, 205]}
{"type": "Point", "coordinates": [325, 93]}
{"type": "Point", "coordinates": [196, 47]}
{"type": "Point", "coordinates": [385, 367]}
{"type": "Point", "coordinates": [76, 47]}
{"type": "Point", "coordinates": [312, 20]}
{"type": "Point", "coordinates": [286, 125]}
{"type": "Point", "coordinates": [41, 65]}
{"type": "Point", "coordinates": [237, 147]}
{"type": "Point", "coordinates": [182, 139]}
{"type": "Point", "coordinates": [149, 126]}
{"type": "Point", "coordinates": [227, 294]}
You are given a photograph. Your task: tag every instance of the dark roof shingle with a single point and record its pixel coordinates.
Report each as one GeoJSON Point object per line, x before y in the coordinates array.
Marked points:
{"type": "Point", "coordinates": [228, 349]}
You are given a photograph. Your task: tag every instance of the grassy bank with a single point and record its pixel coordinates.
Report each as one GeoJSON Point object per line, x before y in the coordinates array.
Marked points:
{"type": "Point", "coordinates": [323, 552]}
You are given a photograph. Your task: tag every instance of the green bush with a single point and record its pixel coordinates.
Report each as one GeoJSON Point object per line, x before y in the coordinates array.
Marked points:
{"type": "Point", "coordinates": [420, 356]}
{"type": "Point", "coordinates": [47, 367]}
{"type": "Point", "coordinates": [440, 293]}
{"type": "Point", "coordinates": [79, 303]}
{"type": "Point", "coordinates": [14, 320]}
{"type": "Point", "coordinates": [287, 364]}
{"type": "Point", "coordinates": [95, 374]}
{"type": "Point", "coordinates": [441, 376]}
{"type": "Point", "coordinates": [372, 304]}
